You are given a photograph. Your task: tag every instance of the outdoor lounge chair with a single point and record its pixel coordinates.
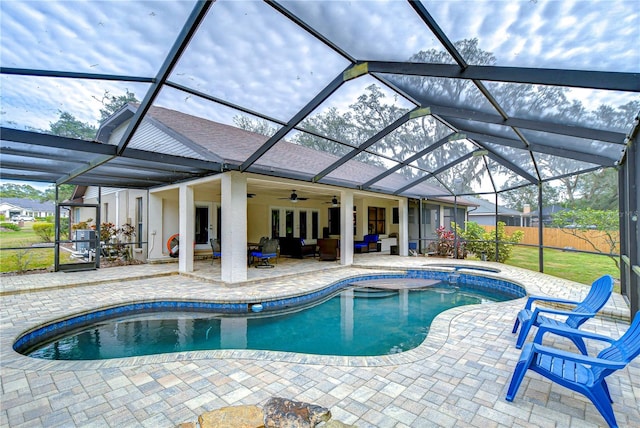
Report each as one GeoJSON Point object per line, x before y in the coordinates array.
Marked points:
{"type": "Point", "coordinates": [368, 244]}
{"type": "Point", "coordinates": [594, 301]}
{"type": "Point", "coordinates": [215, 248]}
{"type": "Point", "coordinates": [328, 249]}
{"type": "Point", "coordinates": [579, 373]}
{"type": "Point", "coordinates": [269, 250]}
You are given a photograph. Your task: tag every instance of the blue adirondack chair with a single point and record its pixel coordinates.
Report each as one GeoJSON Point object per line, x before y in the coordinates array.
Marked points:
{"type": "Point", "coordinates": [580, 373]}
{"type": "Point", "coordinates": [594, 301]}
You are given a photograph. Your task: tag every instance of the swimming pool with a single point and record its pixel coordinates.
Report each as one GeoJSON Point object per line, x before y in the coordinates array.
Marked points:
{"type": "Point", "coordinates": [359, 321]}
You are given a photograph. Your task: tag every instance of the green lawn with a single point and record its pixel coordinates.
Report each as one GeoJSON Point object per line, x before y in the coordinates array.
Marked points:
{"type": "Point", "coordinates": [28, 258]}
{"type": "Point", "coordinates": [579, 267]}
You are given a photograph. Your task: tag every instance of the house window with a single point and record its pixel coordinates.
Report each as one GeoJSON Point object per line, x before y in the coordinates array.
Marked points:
{"type": "Point", "coordinates": [334, 221]}
{"type": "Point", "coordinates": [303, 224]}
{"type": "Point", "coordinates": [76, 216]}
{"type": "Point", "coordinates": [275, 223]}
{"type": "Point", "coordinates": [430, 220]}
{"type": "Point", "coordinates": [377, 220]}
{"type": "Point", "coordinates": [138, 222]}
{"type": "Point", "coordinates": [314, 224]}
{"type": "Point", "coordinates": [289, 224]}
{"type": "Point", "coordinates": [294, 223]}
{"type": "Point", "coordinates": [449, 217]}
{"type": "Point", "coordinates": [105, 219]}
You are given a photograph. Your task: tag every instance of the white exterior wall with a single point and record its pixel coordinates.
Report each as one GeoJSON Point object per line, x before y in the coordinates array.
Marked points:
{"type": "Point", "coordinates": [346, 221]}
{"type": "Point", "coordinates": [234, 227]}
{"type": "Point", "coordinates": [187, 223]}
{"type": "Point", "coordinates": [118, 206]}
{"type": "Point", "coordinates": [8, 210]}
{"type": "Point", "coordinates": [403, 234]}
{"type": "Point", "coordinates": [149, 137]}
{"type": "Point", "coordinates": [156, 210]}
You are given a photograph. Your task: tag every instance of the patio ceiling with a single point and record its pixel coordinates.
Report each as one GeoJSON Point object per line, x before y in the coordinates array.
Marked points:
{"type": "Point", "coordinates": [472, 97]}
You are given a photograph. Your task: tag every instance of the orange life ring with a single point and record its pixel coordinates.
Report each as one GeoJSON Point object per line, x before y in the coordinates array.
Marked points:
{"type": "Point", "coordinates": [172, 245]}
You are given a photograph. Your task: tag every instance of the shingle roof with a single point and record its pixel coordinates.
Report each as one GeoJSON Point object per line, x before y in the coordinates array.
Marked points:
{"type": "Point", "coordinates": [486, 207]}
{"type": "Point", "coordinates": [234, 145]}
{"type": "Point", "coordinates": [30, 204]}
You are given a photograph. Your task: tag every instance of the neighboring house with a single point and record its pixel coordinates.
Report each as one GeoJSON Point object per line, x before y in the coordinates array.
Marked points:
{"type": "Point", "coordinates": [240, 207]}
{"type": "Point", "coordinates": [11, 207]}
{"type": "Point", "coordinates": [532, 218]}
{"type": "Point", "coordinates": [485, 213]}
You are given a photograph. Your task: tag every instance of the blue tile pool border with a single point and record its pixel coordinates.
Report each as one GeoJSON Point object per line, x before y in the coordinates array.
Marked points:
{"type": "Point", "coordinates": [54, 328]}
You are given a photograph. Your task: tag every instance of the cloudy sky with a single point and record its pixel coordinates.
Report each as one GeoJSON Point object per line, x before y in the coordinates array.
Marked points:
{"type": "Point", "coordinates": [250, 55]}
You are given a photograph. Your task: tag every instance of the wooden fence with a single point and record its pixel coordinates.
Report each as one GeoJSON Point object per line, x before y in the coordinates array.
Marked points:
{"type": "Point", "coordinates": [561, 238]}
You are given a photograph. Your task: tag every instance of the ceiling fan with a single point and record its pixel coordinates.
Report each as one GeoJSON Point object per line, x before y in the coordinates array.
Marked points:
{"type": "Point", "coordinates": [294, 197]}
{"type": "Point", "coordinates": [334, 201]}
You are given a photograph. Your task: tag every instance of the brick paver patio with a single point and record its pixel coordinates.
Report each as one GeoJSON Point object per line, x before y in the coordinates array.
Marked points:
{"type": "Point", "coordinates": [457, 378]}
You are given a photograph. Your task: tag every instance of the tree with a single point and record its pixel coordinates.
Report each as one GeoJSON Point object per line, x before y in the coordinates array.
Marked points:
{"type": "Point", "coordinates": [259, 126]}
{"type": "Point", "coordinates": [595, 227]}
{"type": "Point", "coordinates": [372, 113]}
{"type": "Point", "coordinates": [22, 191]}
{"type": "Point", "coordinates": [333, 125]}
{"type": "Point", "coordinates": [598, 190]}
{"type": "Point", "coordinates": [113, 103]}
{"type": "Point", "coordinates": [64, 192]}
{"type": "Point", "coordinates": [68, 126]}
{"type": "Point", "coordinates": [528, 195]}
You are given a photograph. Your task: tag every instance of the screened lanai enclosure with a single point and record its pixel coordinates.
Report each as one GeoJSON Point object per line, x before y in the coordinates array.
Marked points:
{"type": "Point", "coordinates": [419, 99]}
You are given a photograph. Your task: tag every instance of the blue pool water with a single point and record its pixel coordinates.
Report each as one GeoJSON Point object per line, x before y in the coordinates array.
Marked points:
{"type": "Point", "coordinates": [354, 322]}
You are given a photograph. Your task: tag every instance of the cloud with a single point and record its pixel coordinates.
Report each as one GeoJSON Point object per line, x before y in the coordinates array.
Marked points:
{"type": "Point", "coordinates": [249, 54]}
{"type": "Point", "coordinates": [35, 102]}
{"type": "Point", "coordinates": [368, 30]}
{"type": "Point", "coordinates": [97, 37]}
{"type": "Point", "coordinates": [586, 35]}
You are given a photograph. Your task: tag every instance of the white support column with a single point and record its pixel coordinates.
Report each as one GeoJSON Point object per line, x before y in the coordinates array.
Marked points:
{"type": "Point", "coordinates": [187, 227]}
{"type": "Point", "coordinates": [346, 232]}
{"type": "Point", "coordinates": [403, 227]}
{"type": "Point", "coordinates": [154, 231]}
{"type": "Point", "coordinates": [233, 235]}
{"type": "Point", "coordinates": [346, 314]}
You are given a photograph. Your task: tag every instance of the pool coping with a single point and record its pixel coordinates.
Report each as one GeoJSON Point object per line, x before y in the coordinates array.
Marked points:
{"type": "Point", "coordinates": [47, 330]}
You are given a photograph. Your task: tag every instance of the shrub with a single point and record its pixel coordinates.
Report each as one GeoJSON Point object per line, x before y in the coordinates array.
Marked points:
{"type": "Point", "coordinates": [22, 259]}
{"type": "Point", "coordinates": [82, 225]}
{"type": "Point", "coordinates": [116, 240]}
{"type": "Point", "coordinates": [446, 245]}
{"type": "Point", "coordinates": [108, 232]}
{"type": "Point", "coordinates": [478, 241]}
{"type": "Point", "coordinates": [11, 226]}
{"type": "Point", "coordinates": [44, 230]}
